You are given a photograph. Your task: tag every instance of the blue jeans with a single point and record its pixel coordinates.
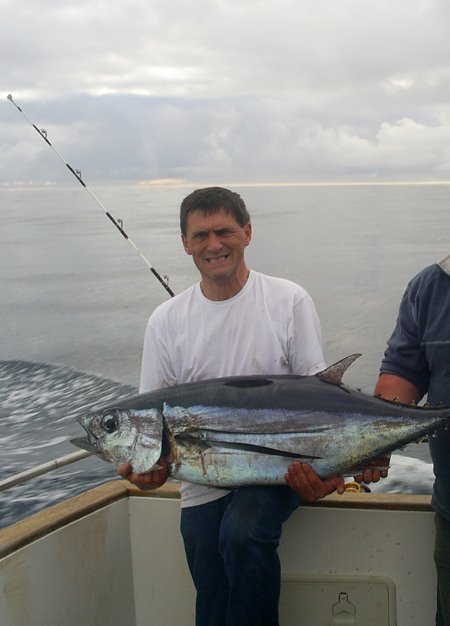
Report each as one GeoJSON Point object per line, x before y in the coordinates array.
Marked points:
{"type": "Point", "coordinates": [231, 548]}
{"type": "Point", "coordinates": [442, 561]}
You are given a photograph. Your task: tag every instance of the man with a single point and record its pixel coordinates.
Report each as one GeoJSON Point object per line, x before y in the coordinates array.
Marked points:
{"type": "Point", "coordinates": [417, 362]}
{"type": "Point", "coordinates": [234, 321]}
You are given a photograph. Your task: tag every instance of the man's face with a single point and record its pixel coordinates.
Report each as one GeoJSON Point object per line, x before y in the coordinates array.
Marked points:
{"type": "Point", "coordinates": [216, 243]}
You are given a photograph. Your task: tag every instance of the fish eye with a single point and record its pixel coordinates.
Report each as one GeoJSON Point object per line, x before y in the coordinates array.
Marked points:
{"type": "Point", "coordinates": [109, 423]}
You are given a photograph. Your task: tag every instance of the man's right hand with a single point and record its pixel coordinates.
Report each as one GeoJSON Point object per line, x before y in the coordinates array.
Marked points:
{"type": "Point", "coordinates": [147, 480]}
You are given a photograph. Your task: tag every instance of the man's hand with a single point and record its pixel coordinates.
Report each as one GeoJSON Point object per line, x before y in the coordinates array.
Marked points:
{"type": "Point", "coordinates": [148, 480]}
{"type": "Point", "coordinates": [302, 479]}
{"type": "Point", "coordinates": [375, 469]}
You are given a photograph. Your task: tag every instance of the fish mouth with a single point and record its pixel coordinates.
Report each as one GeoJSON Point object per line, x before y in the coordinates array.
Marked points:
{"type": "Point", "coordinates": [88, 443]}
{"type": "Point", "coordinates": [85, 444]}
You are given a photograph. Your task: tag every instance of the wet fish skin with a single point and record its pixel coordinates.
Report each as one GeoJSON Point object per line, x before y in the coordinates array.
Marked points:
{"type": "Point", "coordinates": [122, 435]}
{"type": "Point", "coordinates": [235, 431]}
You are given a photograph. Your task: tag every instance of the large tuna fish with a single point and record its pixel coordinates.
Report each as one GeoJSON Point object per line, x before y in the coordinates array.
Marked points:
{"type": "Point", "coordinates": [245, 430]}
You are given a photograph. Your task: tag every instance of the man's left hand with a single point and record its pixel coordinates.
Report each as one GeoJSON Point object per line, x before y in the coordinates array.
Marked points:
{"type": "Point", "coordinates": [302, 479]}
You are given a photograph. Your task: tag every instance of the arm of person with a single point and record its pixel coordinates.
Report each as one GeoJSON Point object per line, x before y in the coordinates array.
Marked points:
{"type": "Point", "coordinates": [389, 387]}
{"type": "Point", "coordinates": [147, 480]}
{"type": "Point", "coordinates": [393, 387]}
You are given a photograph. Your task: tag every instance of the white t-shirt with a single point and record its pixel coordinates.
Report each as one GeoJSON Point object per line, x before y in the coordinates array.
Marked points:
{"type": "Point", "coordinates": [269, 327]}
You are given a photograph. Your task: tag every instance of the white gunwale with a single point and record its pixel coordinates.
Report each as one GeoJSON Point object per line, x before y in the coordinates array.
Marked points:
{"type": "Point", "coordinates": [50, 519]}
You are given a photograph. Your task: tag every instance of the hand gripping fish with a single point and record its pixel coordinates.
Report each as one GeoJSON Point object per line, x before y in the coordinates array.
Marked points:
{"type": "Point", "coordinates": [246, 430]}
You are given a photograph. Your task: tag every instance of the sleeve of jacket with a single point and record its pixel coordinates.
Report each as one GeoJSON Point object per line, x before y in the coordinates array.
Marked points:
{"type": "Point", "coordinates": [405, 355]}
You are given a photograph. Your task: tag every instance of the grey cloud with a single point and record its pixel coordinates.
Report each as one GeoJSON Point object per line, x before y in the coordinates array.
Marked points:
{"type": "Point", "coordinates": [237, 89]}
{"type": "Point", "coordinates": [130, 138]}
{"type": "Point", "coordinates": [208, 47]}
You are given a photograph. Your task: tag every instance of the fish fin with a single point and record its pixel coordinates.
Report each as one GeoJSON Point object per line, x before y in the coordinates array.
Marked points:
{"type": "Point", "coordinates": [334, 373]}
{"type": "Point", "coordinates": [243, 447]}
{"type": "Point", "coordinates": [270, 451]}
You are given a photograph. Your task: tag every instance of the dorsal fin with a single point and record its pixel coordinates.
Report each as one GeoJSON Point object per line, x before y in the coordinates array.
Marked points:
{"type": "Point", "coordinates": [334, 373]}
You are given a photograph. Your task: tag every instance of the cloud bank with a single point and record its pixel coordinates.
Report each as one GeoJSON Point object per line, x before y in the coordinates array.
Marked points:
{"type": "Point", "coordinates": [208, 90]}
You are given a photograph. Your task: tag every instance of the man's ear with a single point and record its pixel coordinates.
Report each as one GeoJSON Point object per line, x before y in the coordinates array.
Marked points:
{"type": "Point", "coordinates": [186, 246]}
{"type": "Point", "coordinates": [248, 233]}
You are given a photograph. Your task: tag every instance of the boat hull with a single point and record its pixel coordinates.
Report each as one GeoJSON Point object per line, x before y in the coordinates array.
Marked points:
{"type": "Point", "coordinates": [74, 563]}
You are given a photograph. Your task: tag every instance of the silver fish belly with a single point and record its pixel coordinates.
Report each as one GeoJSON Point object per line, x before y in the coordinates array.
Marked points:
{"type": "Point", "coordinates": [236, 431]}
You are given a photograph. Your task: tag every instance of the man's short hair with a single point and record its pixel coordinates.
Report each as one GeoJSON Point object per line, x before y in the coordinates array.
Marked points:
{"type": "Point", "coordinates": [210, 200]}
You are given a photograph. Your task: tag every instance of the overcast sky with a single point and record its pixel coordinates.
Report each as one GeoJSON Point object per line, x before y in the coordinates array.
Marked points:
{"type": "Point", "coordinates": [226, 90]}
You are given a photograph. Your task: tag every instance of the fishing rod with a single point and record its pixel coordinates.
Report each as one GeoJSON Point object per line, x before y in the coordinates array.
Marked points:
{"type": "Point", "coordinates": [77, 173]}
{"type": "Point", "coordinates": [40, 470]}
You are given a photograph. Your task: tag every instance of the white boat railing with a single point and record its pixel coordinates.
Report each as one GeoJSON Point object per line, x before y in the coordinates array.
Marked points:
{"type": "Point", "coordinates": [39, 470]}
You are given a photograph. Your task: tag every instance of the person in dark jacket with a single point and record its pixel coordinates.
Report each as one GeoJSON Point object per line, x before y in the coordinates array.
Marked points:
{"type": "Point", "coordinates": [416, 363]}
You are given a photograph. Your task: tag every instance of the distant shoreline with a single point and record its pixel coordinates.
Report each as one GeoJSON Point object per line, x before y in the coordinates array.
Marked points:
{"type": "Point", "coordinates": [170, 182]}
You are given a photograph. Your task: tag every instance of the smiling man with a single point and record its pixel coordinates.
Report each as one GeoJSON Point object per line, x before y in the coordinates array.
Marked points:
{"type": "Point", "coordinates": [234, 321]}
{"type": "Point", "coordinates": [216, 242]}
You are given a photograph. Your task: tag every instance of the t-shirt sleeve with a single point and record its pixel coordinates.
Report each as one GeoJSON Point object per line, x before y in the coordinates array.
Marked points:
{"type": "Point", "coordinates": [156, 367]}
{"type": "Point", "coordinates": [405, 355]}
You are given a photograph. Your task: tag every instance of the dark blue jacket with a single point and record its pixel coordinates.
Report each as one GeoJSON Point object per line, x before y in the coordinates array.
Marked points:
{"type": "Point", "coordinates": [419, 351]}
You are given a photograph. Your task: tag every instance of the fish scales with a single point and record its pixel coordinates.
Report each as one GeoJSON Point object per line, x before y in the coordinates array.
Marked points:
{"type": "Point", "coordinates": [235, 431]}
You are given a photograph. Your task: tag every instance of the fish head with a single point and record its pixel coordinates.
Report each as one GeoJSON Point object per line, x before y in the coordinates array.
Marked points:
{"type": "Point", "coordinates": [121, 436]}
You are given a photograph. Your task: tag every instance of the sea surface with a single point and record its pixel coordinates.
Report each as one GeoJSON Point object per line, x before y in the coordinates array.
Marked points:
{"type": "Point", "coordinates": [75, 297]}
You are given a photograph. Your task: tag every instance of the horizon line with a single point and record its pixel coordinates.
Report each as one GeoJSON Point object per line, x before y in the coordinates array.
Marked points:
{"type": "Point", "coordinates": [172, 182]}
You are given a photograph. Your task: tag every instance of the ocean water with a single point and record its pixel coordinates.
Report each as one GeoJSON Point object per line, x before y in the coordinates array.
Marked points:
{"type": "Point", "coordinates": [75, 298]}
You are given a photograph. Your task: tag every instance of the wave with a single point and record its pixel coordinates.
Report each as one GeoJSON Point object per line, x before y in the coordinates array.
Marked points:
{"type": "Point", "coordinates": [406, 475]}
{"type": "Point", "coordinates": [39, 404]}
